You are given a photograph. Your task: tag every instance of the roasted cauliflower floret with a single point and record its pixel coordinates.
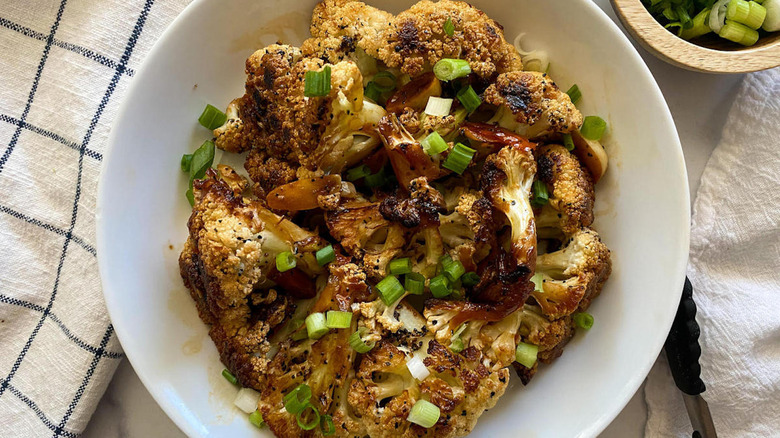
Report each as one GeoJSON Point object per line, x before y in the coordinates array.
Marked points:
{"type": "Point", "coordinates": [406, 155]}
{"type": "Point", "coordinates": [495, 340]}
{"type": "Point", "coordinates": [290, 130]}
{"type": "Point", "coordinates": [572, 195]}
{"type": "Point", "coordinates": [507, 177]}
{"type": "Point", "coordinates": [462, 230]}
{"type": "Point", "coordinates": [322, 364]}
{"type": "Point", "coordinates": [234, 135]}
{"type": "Point", "coordinates": [367, 235]}
{"type": "Point", "coordinates": [574, 275]}
{"type": "Point", "coordinates": [532, 105]}
{"type": "Point", "coordinates": [399, 319]}
{"type": "Point", "coordinates": [385, 391]}
{"type": "Point", "coordinates": [230, 253]}
{"type": "Point", "coordinates": [549, 336]}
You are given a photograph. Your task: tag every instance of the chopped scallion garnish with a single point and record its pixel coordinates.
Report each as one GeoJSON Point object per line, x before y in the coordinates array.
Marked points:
{"type": "Point", "coordinates": [751, 14]}
{"type": "Point", "coordinates": [316, 325]}
{"type": "Point", "coordinates": [186, 159]}
{"type": "Point", "coordinates": [568, 142]}
{"type": "Point", "coordinates": [372, 92]}
{"type": "Point", "coordinates": [469, 98]}
{"type": "Point", "coordinates": [438, 106]}
{"type": "Point", "coordinates": [202, 159]}
{"type": "Point", "coordinates": [229, 376]}
{"type": "Point", "coordinates": [452, 269]}
{"type": "Point", "coordinates": [449, 28]}
{"type": "Point", "coordinates": [376, 180]}
{"type": "Point", "coordinates": [285, 261]}
{"type": "Point", "coordinates": [338, 320]}
{"type": "Point", "coordinates": [390, 289]}
{"type": "Point", "coordinates": [574, 94]}
{"type": "Point", "coordinates": [212, 118]}
{"type": "Point", "coordinates": [297, 399]}
{"type": "Point", "coordinates": [739, 33]}
{"type": "Point", "coordinates": [414, 283]}
{"type": "Point", "coordinates": [584, 320]}
{"type": "Point", "coordinates": [525, 354]}
{"type": "Point", "coordinates": [401, 266]}
{"type": "Point", "coordinates": [256, 418]}
{"type": "Point", "coordinates": [538, 281]}
{"type": "Point", "coordinates": [470, 279]}
{"type": "Point", "coordinates": [593, 128]}
{"type": "Point", "coordinates": [448, 69]}
{"type": "Point", "coordinates": [459, 158]}
{"type": "Point", "coordinates": [358, 172]}
{"type": "Point", "coordinates": [384, 80]}
{"type": "Point", "coordinates": [440, 286]}
{"type": "Point", "coordinates": [325, 255]}
{"type": "Point", "coordinates": [424, 413]}
{"type": "Point", "coordinates": [326, 425]}
{"type": "Point", "coordinates": [456, 345]}
{"type": "Point", "coordinates": [539, 193]}
{"type": "Point", "coordinates": [317, 83]}
{"type": "Point", "coordinates": [358, 344]}
{"type": "Point", "coordinates": [315, 417]}
{"type": "Point", "coordinates": [434, 144]}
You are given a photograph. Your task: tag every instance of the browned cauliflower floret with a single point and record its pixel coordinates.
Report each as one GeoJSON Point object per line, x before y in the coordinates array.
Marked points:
{"type": "Point", "coordinates": [462, 229]}
{"type": "Point", "coordinates": [323, 364]}
{"type": "Point", "coordinates": [574, 275]}
{"type": "Point", "coordinates": [572, 195]}
{"type": "Point", "coordinates": [385, 391]}
{"type": "Point", "coordinates": [532, 105]}
{"type": "Point", "coordinates": [290, 130]}
{"type": "Point", "coordinates": [229, 255]}
{"type": "Point", "coordinates": [234, 135]}
{"type": "Point", "coordinates": [367, 235]}
{"type": "Point", "coordinates": [549, 336]}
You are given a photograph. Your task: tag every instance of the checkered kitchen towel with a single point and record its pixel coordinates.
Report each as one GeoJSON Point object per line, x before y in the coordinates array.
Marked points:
{"type": "Point", "coordinates": [64, 68]}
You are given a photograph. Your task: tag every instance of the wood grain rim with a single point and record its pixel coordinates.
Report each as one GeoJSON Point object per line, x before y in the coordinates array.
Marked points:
{"type": "Point", "coordinates": [665, 45]}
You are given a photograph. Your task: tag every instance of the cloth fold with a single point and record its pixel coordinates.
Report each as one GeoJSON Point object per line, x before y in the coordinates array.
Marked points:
{"type": "Point", "coordinates": [64, 68]}
{"type": "Point", "coordinates": [735, 270]}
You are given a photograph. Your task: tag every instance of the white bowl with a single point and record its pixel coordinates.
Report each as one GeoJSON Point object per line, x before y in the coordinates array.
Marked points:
{"type": "Point", "coordinates": [642, 212]}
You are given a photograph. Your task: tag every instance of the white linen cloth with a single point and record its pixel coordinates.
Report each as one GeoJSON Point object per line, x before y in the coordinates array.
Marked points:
{"type": "Point", "coordinates": [735, 270]}
{"type": "Point", "coordinates": [64, 67]}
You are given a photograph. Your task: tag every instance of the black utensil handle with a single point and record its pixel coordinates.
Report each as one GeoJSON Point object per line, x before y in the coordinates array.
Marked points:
{"type": "Point", "coordinates": [682, 345]}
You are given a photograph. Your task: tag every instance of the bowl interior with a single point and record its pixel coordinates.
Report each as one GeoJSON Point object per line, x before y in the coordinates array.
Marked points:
{"type": "Point", "coordinates": [642, 212]}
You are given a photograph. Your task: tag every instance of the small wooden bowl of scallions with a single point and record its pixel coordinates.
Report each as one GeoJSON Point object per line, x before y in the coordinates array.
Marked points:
{"type": "Point", "coordinates": [714, 36]}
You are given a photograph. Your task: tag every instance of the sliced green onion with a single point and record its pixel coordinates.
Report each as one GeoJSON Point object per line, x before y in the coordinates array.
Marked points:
{"type": "Point", "coordinates": [456, 345]}
{"type": "Point", "coordinates": [414, 283]}
{"type": "Point", "coordinates": [202, 159]}
{"type": "Point", "coordinates": [470, 279]}
{"type": "Point", "coordinates": [568, 142]}
{"type": "Point", "coordinates": [376, 180]}
{"type": "Point", "coordinates": [438, 106]}
{"type": "Point", "coordinates": [356, 173]}
{"type": "Point", "coordinates": [212, 118]}
{"type": "Point", "coordinates": [401, 266]}
{"type": "Point", "coordinates": [256, 418]}
{"type": "Point", "coordinates": [384, 80]}
{"type": "Point", "coordinates": [538, 281]}
{"type": "Point", "coordinates": [440, 286]}
{"type": "Point", "coordinates": [593, 128]}
{"type": "Point", "coordinates": [297, 399]}
{"type": "Point", "coordinates": [751, 14]}
{"type": "Point", "coordinates": [449, 28]}
{"type": "Point", "coordinates": [448, 69]}
{"type": "Point", "coordinates": [316, 325]}
{"type": "Point", "coordinates": [453, 269]}
{"type": "Point", "coordinates": [739, 33]}
{"type": "Point", "coordinates": [469, 98]}
{"type": "Point", "coordinates": [285, 261]}
{"type": "Point", "coordinates": [298, 335]}
{"type": "Point", "coordinates": [459, 158]}
{"type": "Point", "coordinates": [684, 17]}
{"type": "Point", "coordinates": [326, 425]}
{"type": "Point", "coordinates": [540, 194]}
{"type": "Point", "coordinates": [315, 421]}
{"type": "Point", "coordinates": [372, 92]}
{"type": "Point", "coordinates": [317, 83]}
{"type": "Point", "coordinates": [434, 144]}
{"type": "Point", "coordinates": [190, 197]}
{"type": "Point", "coordinates": [700, 26]}
{"type": "Point", "coordinates": [390, 289]}
{"type": "Point", "coordinates": [574, 94]}
{"type": "Point", "coordinates": [325, 255]}
{"type": "Point", "coordinates": [424, 413]}
{"type": "Point", "coordinates": [229, 376]}
{"type": "Point", "coordinates": [525, 354]}
{"type": "Point", "coordinates": [584, 320]}
{"type": "Point", "coordinates": [186, 159]}
{"type": "Point", "coordinates": [358, 344]}
{"type": "Point", "coordinates": [670, 14]}
{"type": "Point", "coordinates": [338, 320]}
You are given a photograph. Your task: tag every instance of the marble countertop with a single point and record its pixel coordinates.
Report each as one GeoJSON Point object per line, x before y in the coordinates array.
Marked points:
{"type": "Point", "coordinates": [699, 104]}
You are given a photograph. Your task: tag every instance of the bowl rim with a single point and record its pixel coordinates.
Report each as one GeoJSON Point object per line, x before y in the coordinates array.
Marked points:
{"type": "Point", "coordinates": [681, 53]}
{"type": "Point", "coordinates": [184, 421]}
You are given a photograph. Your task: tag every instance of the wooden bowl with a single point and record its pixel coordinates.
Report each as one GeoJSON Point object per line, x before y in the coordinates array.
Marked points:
{"type": "Point", "coordinates": [707, 53]}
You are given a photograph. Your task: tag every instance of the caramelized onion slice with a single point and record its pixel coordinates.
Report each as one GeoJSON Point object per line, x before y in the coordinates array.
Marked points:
{"type": "Point", "coordinates": [414, 94]}
{"type": "Point", "coordinates": [302, 194]}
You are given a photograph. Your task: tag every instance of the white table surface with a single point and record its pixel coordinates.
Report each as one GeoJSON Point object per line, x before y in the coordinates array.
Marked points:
{"type": "Point", "coordinates": [699, 104]}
